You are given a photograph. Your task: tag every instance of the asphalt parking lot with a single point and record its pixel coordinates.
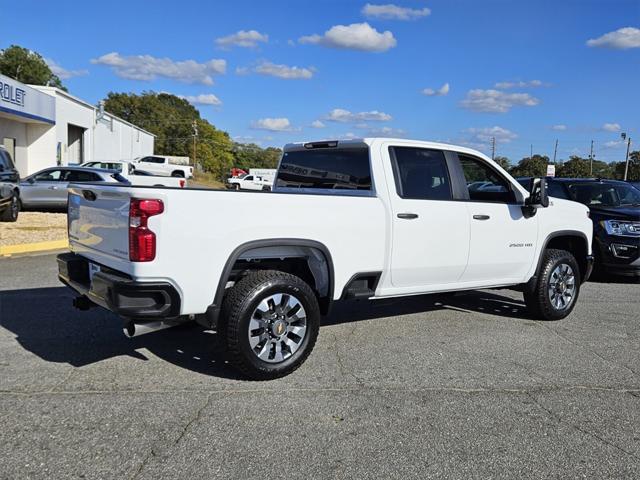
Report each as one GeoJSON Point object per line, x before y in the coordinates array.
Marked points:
{"type": "Point", "coordinates": [412, 388]}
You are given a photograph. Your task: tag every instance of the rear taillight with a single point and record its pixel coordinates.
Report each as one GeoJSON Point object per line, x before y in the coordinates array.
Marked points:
{"type": "Point", "coordinates": [142, 241]}
{"type": "Point", "coordinates": [182, 183]}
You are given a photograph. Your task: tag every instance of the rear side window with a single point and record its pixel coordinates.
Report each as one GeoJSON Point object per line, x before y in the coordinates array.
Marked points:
{"type": "Point", "coordinates": [5, 160]}
{"type": "Point", "coordinates": [421, 173]}
{"type": "Point", "coordinates": [326, 168]}
{"type": "Point", "coordinates": [78, 176]}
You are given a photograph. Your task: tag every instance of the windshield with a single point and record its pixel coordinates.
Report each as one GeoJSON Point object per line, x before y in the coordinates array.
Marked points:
{"type": "Point", "coordinates": [606, 195]}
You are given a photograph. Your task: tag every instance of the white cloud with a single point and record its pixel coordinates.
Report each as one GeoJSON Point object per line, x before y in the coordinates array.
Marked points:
{"type": "Point", "coordinates": [242, 38]}
{"type": "Point", "coordinates": [282, 71]}
{"type": "Point", "coordinates": [202, 99]}
{"type": "Point", "coordinates": [386, 132]}
{"type": "Point", "coordinates": [394, 12]}
{"type": "Point", "coordinates": [611, 127]}
{"type": "Point", "coordinates": [496, 101]}
{"type": "Point", "coordinates": [357, 36]}
{"type": "Point", "coordinates": [615, 144]}
{"type": "Point", "coordinates": [559, 128]}
{"type": "Point", "coordinates": [484, 135]}
{"type": "Point", "coordinates": [344, 116]}
{"type": "Point", "coordinates": [430, 92]}
{"type": "Point", "coordinates": [520, 84]}
{"type": "Point", "coordinates": [621, 39]}
{"type": "Point", "coordinates": [317, 124]}
{"type": "Point", "coordinates": [62, 72]}
{"type": "Point", "coordinates": [273, 124]}
{"type": "Point", "coordinates": [147, 67]}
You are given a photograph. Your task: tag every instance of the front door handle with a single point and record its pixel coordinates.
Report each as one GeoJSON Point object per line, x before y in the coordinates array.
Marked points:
{"type": "Point", "coordinates": [407, 216]}
{"type": "Point", "coordinates": [481, 217]}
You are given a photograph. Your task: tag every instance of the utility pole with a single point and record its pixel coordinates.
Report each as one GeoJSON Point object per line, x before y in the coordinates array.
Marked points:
{"type": "Point", "coordinates": [591, 160]}
{"type": "Point", "coordinates": [531, 154]}
{"type": "Point", "coordinates": [555, 151]}
{"type": "Point", "coordinates": [195, 138]}
{"type": "Point", "coordinates": [626, 159]}
{"type": "Point", "coordinates": [493, 148]}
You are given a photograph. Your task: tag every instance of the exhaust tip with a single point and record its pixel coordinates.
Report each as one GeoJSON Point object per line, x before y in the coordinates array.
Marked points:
{"type": "Point", "coordinates": [129, 330]}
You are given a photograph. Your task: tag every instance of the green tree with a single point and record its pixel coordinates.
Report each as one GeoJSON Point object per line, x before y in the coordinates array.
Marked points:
{"type": "Point", "coordinates": [535, 166]}
{"type": "Point", "coordinates": [171, 119]}
{"type": "Point", "coordinates": [575, 167]}
{"type": "Point", "coordinates": [503, 162]}
{"type": "Point", "coordinates": [27, 66]}
{"type": "Point", "coordinates": [634, 168]}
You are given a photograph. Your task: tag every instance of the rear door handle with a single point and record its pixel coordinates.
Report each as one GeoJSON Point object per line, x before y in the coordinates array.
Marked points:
{"type": "Point", "coordinates": [407, 216]}
{"type": "Point", "coordinates": [481, 217]}
{"type": "Point", "coordinates": [53, 188]}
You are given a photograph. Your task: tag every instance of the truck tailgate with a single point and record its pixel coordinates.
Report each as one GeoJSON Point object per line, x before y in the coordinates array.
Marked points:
{"type": "Point", "coordinates": [99, 222]}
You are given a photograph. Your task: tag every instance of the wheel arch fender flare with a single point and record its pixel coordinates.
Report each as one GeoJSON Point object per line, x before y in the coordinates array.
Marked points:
{"type": "Point", "coordinates": [213, 312]}
{"type": "Point", "coordinates": [575, 234]}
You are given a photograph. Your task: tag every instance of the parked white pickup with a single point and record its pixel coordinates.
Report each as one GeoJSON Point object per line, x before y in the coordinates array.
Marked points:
{"type": "Point", "coordinates": [249, 182]}
{"type": "Point", "coordinates": [162, 165]}
{"type": "Point", "coordinates": [138, 177]}
{"type": "Point", "coordinates": [370, 219]}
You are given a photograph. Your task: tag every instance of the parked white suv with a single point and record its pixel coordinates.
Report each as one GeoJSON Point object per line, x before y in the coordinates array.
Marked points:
{"type": "Point", "coordinates": [369, 219]}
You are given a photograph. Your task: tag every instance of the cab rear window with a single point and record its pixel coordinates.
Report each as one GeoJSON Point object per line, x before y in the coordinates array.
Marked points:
{"type": "Point", "coordinates": [326, 168]}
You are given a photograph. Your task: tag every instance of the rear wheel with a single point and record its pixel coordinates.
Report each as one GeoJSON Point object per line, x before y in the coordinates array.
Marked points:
{"type": "Point", "coordinates": [557, 287]}
{"type": "Point", "coordinates": [177, 174]}
{"type": "Point", "coordinates": [13, 209]}
{"type": "Point", "coordinates": [271, 323]}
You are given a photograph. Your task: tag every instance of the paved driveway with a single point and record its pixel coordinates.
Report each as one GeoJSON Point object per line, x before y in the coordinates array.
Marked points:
{"type": "Point", "coordinates": [412, 388]}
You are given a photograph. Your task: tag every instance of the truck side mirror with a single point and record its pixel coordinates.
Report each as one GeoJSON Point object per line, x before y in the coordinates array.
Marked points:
{"type": "Point", "coordinates": [538, 197]}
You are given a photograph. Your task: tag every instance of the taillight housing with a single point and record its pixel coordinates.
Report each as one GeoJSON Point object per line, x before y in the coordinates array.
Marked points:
{"type": "Point", "coordinates": [142, 241]}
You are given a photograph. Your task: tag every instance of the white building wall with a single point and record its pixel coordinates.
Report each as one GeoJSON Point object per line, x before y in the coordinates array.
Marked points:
{"type": "Point", "coordinates": [42, 148]}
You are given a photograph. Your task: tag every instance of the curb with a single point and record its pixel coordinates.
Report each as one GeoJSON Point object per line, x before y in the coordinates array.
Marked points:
{"type": "Point", "coordinates": [33, 247]}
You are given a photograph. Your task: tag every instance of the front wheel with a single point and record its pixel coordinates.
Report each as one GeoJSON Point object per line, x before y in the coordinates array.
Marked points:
{"type": "Point", "coordinates": [177, 174]}
{"type": "Point", "coordinates": [557, 287]}
{"type": "Point", "coordinates": [271, 323]}
{"type": "Point", "coordinates": [13, 209]}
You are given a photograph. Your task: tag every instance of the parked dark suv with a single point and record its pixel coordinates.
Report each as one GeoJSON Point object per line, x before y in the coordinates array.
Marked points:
{"type": "Point", "coordinates": [9, 191]}
{"type": "Point", "coordinates": [615, 211]}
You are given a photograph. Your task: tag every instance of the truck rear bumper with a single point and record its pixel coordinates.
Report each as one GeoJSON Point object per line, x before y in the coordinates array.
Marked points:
{"type": "Point", "coordinates": [117, 292]}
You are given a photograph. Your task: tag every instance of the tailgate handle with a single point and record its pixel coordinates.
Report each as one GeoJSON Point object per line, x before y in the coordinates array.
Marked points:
{"type": "Point", "coordinates": [89, 195]}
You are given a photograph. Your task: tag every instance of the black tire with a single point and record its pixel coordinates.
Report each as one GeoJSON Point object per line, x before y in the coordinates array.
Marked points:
{"type": "Point", "coordinates": [10, 213]}
{"type": "Point", "coordinates": [177, 174]}
{"type": "Point", "coordinates": [236, 186]}
{"type": "Point", "coordinates": [538, 299]}
{"type": "Point", "coordinates": [238, 307]}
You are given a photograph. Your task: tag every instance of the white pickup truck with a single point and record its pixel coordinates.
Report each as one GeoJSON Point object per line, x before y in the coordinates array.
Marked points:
{"type": "Point", "coordinates": [137, 177]}
{"type": "Point", "coordinates": [249, 182]}
{"type": "Point", "coordinates": [364, 219]}
{"type": "Point", "coordinates": [162, 165]}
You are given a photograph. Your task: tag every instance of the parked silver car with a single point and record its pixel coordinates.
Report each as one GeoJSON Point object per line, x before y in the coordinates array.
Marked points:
{"type": "Point", "coordinates": [48, 188]}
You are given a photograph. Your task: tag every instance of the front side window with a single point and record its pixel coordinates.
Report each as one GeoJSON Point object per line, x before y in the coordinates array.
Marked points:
{"type": "Point", "coordinates": [483, 182]}
{"type": "Point", "coordinates": [326, 168]}
{"type": "Point", "coordinates": [421, 173]}
{"type": "Point", "coordinates": [49, 176]}
{"type": "Point", "coordinates": [555, 189]}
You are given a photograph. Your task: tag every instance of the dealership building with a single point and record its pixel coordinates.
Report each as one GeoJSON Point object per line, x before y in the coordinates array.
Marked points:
{"type": "Point", "coordinates": [45, 126]}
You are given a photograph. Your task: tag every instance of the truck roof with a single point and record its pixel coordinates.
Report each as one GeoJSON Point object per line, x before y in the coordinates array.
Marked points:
{"type": "Point", "coordinates": [354, 142]}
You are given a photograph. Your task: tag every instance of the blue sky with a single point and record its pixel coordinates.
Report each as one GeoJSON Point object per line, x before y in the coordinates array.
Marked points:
{"type": "Point", "coordinates": [522, 72]}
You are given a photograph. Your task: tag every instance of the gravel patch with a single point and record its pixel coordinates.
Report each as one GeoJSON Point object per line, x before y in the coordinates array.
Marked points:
{"type": "Point", "coordinates": [34, 227]}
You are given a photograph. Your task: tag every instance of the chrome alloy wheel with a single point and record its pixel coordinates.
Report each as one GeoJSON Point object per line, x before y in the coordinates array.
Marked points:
{"type": "Point", "coordinates": [562, 287]}
{"type": "Point", "coordinates": [277, 327]}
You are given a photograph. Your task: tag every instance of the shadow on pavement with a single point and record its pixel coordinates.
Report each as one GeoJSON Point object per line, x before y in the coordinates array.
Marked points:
{"type": "Point", "coordinates": [45, 323]}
